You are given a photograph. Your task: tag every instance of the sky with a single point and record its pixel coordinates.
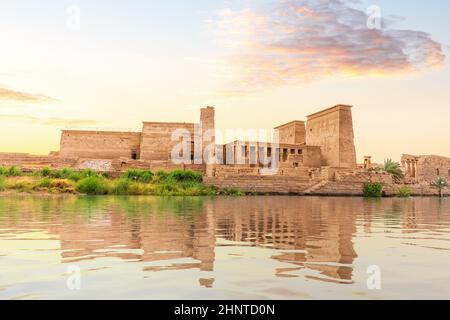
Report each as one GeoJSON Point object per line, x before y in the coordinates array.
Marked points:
{"type": "Point", "coordinates": [113, 64]}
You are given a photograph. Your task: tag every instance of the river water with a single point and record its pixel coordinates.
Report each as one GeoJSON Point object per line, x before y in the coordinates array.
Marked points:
{"type": "Point", "coordinates": [224, 248]}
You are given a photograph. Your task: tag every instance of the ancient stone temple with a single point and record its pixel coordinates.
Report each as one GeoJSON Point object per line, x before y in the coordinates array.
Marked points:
{"type": "Point", "coordinates": [332, 131]}
{"type": "Point", "coordinates": [316, 156]}
{"type": "Point", "coordinates": [425, 168]}
{"type": "Point", "coordinates": [153, 143]}
{"type": "Point", "coordinates": [325, 140]}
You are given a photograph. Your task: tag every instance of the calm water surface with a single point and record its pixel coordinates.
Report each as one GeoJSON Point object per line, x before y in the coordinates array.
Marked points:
{"type": "Point", "coordinates": [223, 248]}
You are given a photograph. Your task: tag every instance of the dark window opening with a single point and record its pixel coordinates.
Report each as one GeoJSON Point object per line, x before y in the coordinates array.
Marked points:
{"type": "Point", "coordinates": [438, 172]}
{"type": "Point", "coordinates": [285, 155]}
{"type": "Point", "coordinates": [292, 151]}
{"type": "Point", "coordinates": [300, 151]}
{"type": "Point", "coordinates": [134, 154]}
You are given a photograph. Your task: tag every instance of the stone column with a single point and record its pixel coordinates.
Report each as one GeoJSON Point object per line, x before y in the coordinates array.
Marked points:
{"type": "Point", "coordinates": [207, 123]}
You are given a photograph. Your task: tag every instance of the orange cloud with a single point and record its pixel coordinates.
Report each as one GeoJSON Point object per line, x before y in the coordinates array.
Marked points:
{"type": "Point", "coordinates": [303, 40]}
{"type": "Point", "coordinates": [11, 95]}
{"type": "Point", "coordinates": [59, 122]}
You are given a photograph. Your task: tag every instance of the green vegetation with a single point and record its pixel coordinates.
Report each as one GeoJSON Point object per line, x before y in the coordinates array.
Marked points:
{"type": "Point", "coordinates": [2, 183]}
{"type": "Point", "coordinates": [373, 190]}
{"type": "Point", "coordinates": [132, 182]}
{"type": "Point", "coordinates": [404, 192]}
{"type": "Point", "coordinates": [144, 176]}
{"type": "Point", "coordinates": [440, 183]}
{"type": "Point", "coordinates": [10, 172]}
{"type": "Point", "coordinates": [93, 185]}
{"type": "Point", "coordinates": [233, 192]}
{"type": "Point", "coordinates": [394, 169]}
{"type": "Point", "coordinates": [65, 173]}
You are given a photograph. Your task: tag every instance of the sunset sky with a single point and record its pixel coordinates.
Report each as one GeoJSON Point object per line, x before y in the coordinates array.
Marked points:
{"type": "Point", "coordinates": [260, 63]}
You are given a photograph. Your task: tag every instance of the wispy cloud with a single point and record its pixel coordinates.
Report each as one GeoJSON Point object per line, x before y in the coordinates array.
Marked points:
{"type": "Point", "coordinates": [303, 40]}
{"type": "Point", "coordinates": [58, 122]}
{"type": "Point", "coordinates": [12, 95]}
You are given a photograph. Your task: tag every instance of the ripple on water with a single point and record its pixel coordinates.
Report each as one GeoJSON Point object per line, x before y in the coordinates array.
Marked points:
{"type": "Point", "coordinates": [271, 247]}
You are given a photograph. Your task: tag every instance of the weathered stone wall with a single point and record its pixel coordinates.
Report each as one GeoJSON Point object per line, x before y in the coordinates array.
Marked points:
{"type": "Point", "coordinates": [292, 133]}
{"type": "Point", "coordinates": [263, 184]}
{"type": "Point", "coordinates": [306, 186]}
{"type": "Point", "coordinates": [99, 144]}
{"type": "Point", "coordinates": [429, 168]}
{"type": "Point", "coordinates": [30, 162]}
{"type": "Point", "coordinates": [156, 142]}
{"type": "Point", "coordinates": [310, 181]}
{"type": "Point", "coordinates": [312, 157]}
{"type": "Point", "coordinates": [332, 130]}
{"type": "Point", "coordinates": [121, 165]}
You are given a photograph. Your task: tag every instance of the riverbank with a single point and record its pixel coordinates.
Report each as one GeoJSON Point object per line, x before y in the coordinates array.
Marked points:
{"type": "Point", "coordinates": [187, 183]}
{"type": "Point", "coordinates": [132, 182]}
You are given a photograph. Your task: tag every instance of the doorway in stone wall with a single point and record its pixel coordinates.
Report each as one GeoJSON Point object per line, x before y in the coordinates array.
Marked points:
{"type": "Point", "coordinates": [134, 154]}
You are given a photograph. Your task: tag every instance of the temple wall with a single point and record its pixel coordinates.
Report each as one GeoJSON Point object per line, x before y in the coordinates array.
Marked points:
{"type": "Point", "coordinates": [312, 157]}
{"type": "Point", "coordinates": [292, 133]}
{"type": "Point", "coordinates": [429, 168]}
{"type": "Point", "coordinates": [156, 141]}
{"type": "Point", "coordinates": [99, 144]}
{"type": "Point", "coordinates": [332, 130]}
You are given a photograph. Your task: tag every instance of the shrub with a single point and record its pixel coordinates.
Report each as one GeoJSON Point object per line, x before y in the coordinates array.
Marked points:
{"type": "Point", "coordinates": [373, 190]}
{"type": "Point", "coordinates": [14, 172]}
{"type": "Point", "coordinates": [166, 189]}
{"type": "Point", "coordinates": [2, 183]}
{"type": "Point", "coordinates": [233, 192]}
{"type": "Point", "coordinates": [126, 186]}
{"type": "Point", "coordinates": [404, 192]}
{"type": "Point", "coordinates": [21, 184]}
{"type": "Point", "coordinates": [146, 177]}
{"type": "Point", "coordinates": [75, 176]}
{"type": "Point", "coordinates": [138, 175]}
{"type": "Point", "coordinates": [88, 173]}
{"type": "Point", "coordinates": [60, 184]}
{"type": "Point", "coordinates": [185, 176]}
{"type": "Point", "coordinates": [45, 172]}
{"type": "Point", "coordinates": [160, 176]}
{"type": "Point", "coordinates": [45, 183]}
{"type": "Point", "coordinates": [3, 171]}
{"type": "Point", "coordinates": [65, 173]}
{"type": "Point", "coordinates": [105, 175]}
{"type": "Point", "coordinates": [93, 186]}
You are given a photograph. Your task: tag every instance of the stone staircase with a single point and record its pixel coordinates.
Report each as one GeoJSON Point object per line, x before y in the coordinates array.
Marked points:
{"type": "Point", "coordinates": [316, 187]}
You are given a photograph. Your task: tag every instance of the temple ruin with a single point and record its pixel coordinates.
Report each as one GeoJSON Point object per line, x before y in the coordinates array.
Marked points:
{"type": "Point", "coordinates": [425, 168]}
{"type": "Point", "coordinates": [316, 156]}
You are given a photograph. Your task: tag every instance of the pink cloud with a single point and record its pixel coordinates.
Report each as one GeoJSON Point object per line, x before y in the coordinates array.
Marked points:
{"type": "Point", "coordinates": [11, 95]}
{"type": "Point", "coordinates": [302, 40]}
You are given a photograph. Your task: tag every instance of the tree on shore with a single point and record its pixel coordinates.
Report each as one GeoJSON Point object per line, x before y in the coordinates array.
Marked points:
{"type": "Point", "coordinates": [394, 169]}
{"type": "Point", "coordinates": [440, 183]}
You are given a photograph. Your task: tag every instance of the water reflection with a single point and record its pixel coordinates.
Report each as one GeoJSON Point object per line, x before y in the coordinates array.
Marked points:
{"type": "Point", "coordinates": [312, 237]}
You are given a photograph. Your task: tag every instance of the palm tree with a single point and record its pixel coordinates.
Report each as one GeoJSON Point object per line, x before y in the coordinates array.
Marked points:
{"type": "Point", "coordinates": [394, 169]}
{"type": "Point", "coordinates": [440, 183]}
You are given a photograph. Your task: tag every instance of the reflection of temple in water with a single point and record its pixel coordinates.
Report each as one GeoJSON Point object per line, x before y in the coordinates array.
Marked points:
{"type": "Point", "coordinates": [312, 234]}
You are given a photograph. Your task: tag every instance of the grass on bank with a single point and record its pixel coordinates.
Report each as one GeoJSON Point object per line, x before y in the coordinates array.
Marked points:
{"type": "Point", "coordinates": [404, 192]}
{"type": "Point", "coordinates": [132, 182]}
{"type": "Point", "coordinates": [373, 190]}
